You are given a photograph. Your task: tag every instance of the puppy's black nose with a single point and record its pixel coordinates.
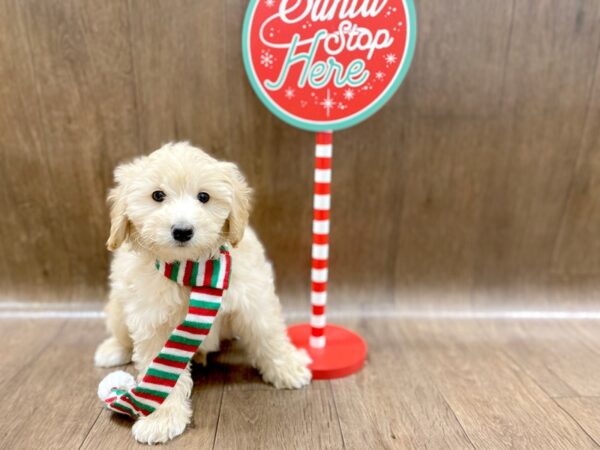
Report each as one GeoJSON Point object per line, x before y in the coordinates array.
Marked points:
{"type": "Point", "coordinates": [182, 234]}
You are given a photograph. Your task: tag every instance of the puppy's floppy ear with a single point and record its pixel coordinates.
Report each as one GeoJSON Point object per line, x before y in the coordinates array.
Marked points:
{"type": "Point", "coordinates": [240, 205]}
{"type": "Point", "coordinates": [119, 222]}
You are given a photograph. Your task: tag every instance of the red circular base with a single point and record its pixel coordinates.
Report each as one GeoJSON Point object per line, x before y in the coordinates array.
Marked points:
{"type": "Point", "coordinates": [344, 353]}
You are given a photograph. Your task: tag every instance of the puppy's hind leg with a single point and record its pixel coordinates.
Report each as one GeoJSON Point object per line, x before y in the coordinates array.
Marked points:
{"type": "Point", "coordinates": [262, 330]}
{"type": "Point", "coordinates": [115, 350]}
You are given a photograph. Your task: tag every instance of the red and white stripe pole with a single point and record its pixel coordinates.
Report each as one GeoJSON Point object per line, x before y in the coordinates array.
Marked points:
{"type": "Point", "coordinates": [325, 104]}
{"type": "Point", "coordinates": [320, 241]}
{"type": "Point", "coordinates": [335, 351]}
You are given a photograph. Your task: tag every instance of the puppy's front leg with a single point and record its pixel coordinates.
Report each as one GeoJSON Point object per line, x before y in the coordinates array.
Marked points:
{"type": "Point", "coordinates": [115, 350]}
{"type": "Point", "coordinates": [169, 419]}
{"type": "Point", "coordinates": [263, 333]}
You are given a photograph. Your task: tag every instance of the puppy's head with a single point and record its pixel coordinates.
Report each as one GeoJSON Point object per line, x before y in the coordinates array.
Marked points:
{"type": "Point", "coordinates": [178, 203]}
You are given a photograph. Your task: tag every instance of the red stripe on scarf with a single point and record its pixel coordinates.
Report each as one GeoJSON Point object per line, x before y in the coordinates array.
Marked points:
{"type": "Point", "coordinates": [179, 346]}
{"type": "Point", "coordinates": [154, 398]}
{"type": "Point", "coordinates": [214, 292]}
{"type": "Point", "coordinates": [161, 381]}
{"type": "Point", "coordinates": [168, 269]}
{"type": "Point", "coordinates": [188, 273]}
{"type": "Point", "coordinates": [171, 363]}
{"type": "Point", "coordinates": [203, 311]}
{"type": "Point", "coordinates": [137, 408]}
{"type": "Point", "coordinates": [208, 272]}
{"type": "Point", "coordinates": [118, 408]}
{"type": "Point", "coordinates": [198, 331]}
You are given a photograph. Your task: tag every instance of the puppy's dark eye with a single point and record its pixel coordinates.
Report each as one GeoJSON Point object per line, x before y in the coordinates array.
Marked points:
{"type": "Point", "coordinates": [203, 197]}
{"type": "Point", "coordinates": [158, 196]}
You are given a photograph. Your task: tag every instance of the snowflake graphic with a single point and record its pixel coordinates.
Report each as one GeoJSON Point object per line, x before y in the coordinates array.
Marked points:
{"type": "Point", "coordinates": [289, 93]}
{"type": "Point", "coordinates": [342, 106]}
{"type": "Point", "coordinates": [270, 3]}
{"type": "Point", "coordinates": [266, 58]}
{"type": "Point", "coordinates": [328, 103]}
{"type": "Point", "coordinates": [348, 94]}
{"type": "Point", "coordinates": [390, 59]}
{"type": "Point", "coordinates": [379, 75]}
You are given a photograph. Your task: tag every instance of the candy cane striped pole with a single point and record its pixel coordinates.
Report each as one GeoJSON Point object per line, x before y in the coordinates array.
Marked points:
{"type": "Point", "coordinates": [320, 243]}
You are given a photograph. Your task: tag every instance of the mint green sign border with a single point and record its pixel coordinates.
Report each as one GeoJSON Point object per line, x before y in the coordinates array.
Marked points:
{"type": "Point", "coordinates": [336, 124]}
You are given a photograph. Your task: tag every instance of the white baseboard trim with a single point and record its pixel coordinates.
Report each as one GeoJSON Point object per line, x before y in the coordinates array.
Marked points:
{"type": "Point", "coordinates": [32, 310]}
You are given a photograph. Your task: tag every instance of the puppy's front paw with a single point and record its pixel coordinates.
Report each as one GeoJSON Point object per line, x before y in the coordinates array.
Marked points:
{"type": "Point", "coordinates": [160, 426]}
{"type": "Point", "coordinates": [112, 353]}
{"type": "Point", "coordinates": [290, 371]}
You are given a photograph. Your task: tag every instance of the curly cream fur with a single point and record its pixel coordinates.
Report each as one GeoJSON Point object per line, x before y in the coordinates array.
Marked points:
{"type": "Point", "coordinates": [144, 306]}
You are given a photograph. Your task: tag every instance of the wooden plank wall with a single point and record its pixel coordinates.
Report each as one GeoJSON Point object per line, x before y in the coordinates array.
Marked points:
{"type": "Point", "coordinates": [484, 170]}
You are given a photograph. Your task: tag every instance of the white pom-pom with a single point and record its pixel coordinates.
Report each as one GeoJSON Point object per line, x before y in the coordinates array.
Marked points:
{"type": "Point", "coordinates": [118, 379]}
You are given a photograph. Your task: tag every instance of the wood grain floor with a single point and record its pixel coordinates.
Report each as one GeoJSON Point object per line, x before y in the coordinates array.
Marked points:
{"type": "Point", "coordinates": [428, 384]}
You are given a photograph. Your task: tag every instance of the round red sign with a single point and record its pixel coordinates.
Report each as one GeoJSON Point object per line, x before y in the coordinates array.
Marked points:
{"type": "Point", "coordinates": [327, 64]}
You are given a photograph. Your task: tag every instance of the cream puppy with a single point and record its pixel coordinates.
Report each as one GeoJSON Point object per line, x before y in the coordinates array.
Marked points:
{"type": "Point", "coordinates": [179, 203]}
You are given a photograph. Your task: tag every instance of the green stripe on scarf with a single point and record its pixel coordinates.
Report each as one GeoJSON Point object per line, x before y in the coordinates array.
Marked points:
{"type": "Point", "coordinates": [194, 274]}
{"type": "Point", "coordinates": [151, 392]}
{"type": "Point", "coordinates": [204, 304]}
{"type": "Point", "coordinates": [173, 357]}
{"type": "Point", "coordinates": [139, 404]}
{"type": "Point", "coordinates": [175, 271]}
{"type": "Point", "coordinates": [215, 275]}
{"type": "Point", "coordinates": [184, 340]}
{"type": "Point", "coordinates": [130, 411]}
{"type": "Point", "coordinates": [161, 374]}
{"type": "Point", "coordinates": [201, 326]}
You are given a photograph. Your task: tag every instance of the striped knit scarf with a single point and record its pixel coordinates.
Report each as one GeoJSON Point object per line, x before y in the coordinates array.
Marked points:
{"type": "Point", "coordinates": [208, 280]}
